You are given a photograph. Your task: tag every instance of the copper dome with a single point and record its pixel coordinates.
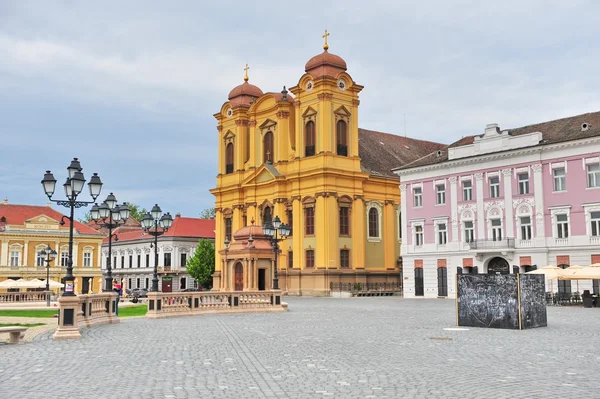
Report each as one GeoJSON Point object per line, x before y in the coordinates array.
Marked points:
{"type": "Point", "coordinates": [244, 94]}
{"type": "Point", "coordinates": [325, 64]}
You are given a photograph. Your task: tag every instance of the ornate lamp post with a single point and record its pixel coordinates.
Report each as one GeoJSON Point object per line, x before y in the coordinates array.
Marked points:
{"type": "Point", "coordinates": [73, 187]}
{"type": "Point", "coordinates": [151, 222]}
{"type": "Point", "coordinates": [50, 256]}
{"type": "Point", "coordinates": [278, 232]}
{"type": "Point", "coordinates": [110, 215]}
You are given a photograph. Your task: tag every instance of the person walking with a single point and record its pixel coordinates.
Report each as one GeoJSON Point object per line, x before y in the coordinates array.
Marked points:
{"type": "Point", "coordinates": [119, 291]}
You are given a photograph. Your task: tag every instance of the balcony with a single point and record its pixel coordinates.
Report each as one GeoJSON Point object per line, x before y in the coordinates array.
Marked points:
{"type": "Point", "coordinates": [595, 240]}
{"type": "Point", "coordinates": [505, 243]}
{"type": "Point", "coordinates": [561, 242]}
{"type": "Point", "coordinates": [525, 243]}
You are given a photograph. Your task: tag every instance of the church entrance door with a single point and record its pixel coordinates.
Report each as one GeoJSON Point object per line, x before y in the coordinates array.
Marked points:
{"type": "Point", "coordinates": [262, 274]}
{"type": "Point", "coordinates": [239, 277]}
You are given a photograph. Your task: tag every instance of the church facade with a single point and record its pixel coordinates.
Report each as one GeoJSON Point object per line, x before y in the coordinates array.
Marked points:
{"type": "Point", "coordinates": [301, 156]}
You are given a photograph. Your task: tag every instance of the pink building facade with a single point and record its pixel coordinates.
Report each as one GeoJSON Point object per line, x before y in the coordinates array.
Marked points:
{"type": "Point", "coordinates": [501, 202]}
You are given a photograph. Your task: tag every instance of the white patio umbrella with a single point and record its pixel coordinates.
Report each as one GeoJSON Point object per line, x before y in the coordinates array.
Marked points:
{"type": "Point", "coordinates": [8, 284]}
{"type": "Point", "coordinates": [551, 272]}
{"type": "Point", "coordinates": [571, 271]}
{"type": "Point", "coordinates": [23, 283]}
{"type": "Point", "coordinates": [591, 272]}
{"type": "Point", "coordinates": [53, 284]}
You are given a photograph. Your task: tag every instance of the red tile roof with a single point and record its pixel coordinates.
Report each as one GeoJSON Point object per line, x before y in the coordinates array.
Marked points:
{"type": "Point", "coordinates": [381, 152]}
{"type": "Point", "coordinates": [182, 227]}
{"type": "Point", "coordinates": [18, 214]}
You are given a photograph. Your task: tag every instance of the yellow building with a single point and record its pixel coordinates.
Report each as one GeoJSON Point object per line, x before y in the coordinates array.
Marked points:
{"type": "Point", "coordinates": [25, 230]}
{"type": "Point", "coordinates": [301, 156]}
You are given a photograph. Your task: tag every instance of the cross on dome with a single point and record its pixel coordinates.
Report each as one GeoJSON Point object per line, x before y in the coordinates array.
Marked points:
{"type": "Point", "coordinates": [246, 73]}
{"type": "Point", "coordinates": [325, 46]}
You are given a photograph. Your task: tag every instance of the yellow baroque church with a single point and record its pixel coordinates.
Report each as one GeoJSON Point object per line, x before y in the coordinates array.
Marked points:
{"type": "Point", "coordinates": [302, 157]}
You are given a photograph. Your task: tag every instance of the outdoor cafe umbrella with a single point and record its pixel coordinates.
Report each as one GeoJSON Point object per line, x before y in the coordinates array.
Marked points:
{"type": "Point", "coordinates": [22, 283]}
{"type": "Point", "coordinates": [570, 272]}
{"type": "Point", "coordinates": [8, 284]}
{"type": "Point", "coordinates": [591, 272]}
{"type": "Point", "coordinates": [551, 272]}
{"type": "Point", "coordinates": [53, 284]}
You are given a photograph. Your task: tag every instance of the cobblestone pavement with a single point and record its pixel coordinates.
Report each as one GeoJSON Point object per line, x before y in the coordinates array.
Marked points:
{"type": "Point", "coordinates": [323, 347]}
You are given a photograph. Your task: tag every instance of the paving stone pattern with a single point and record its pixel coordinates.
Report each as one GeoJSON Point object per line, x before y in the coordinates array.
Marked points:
{"type": "Point", "coordinates": [323, 347]}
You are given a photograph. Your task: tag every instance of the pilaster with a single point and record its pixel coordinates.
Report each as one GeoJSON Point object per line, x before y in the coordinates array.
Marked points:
{"type": "Point", "coordinates": [26, 253]}
{"type": "Point", "coordinates": [454, 207]}
{"type": "Point", "coordinates": [297, 233]}
{"type": "Point", "coordinates": [508, 205]}
{"type": "Point", "coordinates": [480, 210]}
{"type": "Point", "coordinates": [359, 234]}
{"type": "Point", "coordinates": [540, 231]}
{"type": "Point", "coordinates": [404, 227]}
{"type": "Point", "coordinates": [390, 239]}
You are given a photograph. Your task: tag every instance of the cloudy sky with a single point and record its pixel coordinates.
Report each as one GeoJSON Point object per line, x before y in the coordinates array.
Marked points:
{"type": "Point", "coordinates": [130, 87]}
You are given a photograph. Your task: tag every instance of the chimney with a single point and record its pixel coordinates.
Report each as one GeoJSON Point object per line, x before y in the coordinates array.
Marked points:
{"type": "Point", "coordinates": [177, 215]}
{"type": "Point", "coordinates": [5, 201]}
{"type": "Point", "coordinates": [492, 128]}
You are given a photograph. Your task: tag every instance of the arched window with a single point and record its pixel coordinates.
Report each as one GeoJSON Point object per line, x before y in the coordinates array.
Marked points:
{"type": "Point", "coordinates": [309, 139]}
{"type": "Point", "coordinates": [267, 216]}
{"type": "Point", "coordinates": [373, 223]}
{"type": "Point", "coordinates": [268, 148]}
{"type": "Point", "coordinates": [229, 158]}
{"type": "Point", "coordinates": [342, 138]}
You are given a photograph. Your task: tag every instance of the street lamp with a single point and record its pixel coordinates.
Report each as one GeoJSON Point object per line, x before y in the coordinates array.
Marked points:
{"type": "Point", "coordinates": [277, 231]}
{"type": "Point", "coordinates": [50, 256]}
{"type": "Point", "coordinates": [150, 223]}
{"type": "Point", "coordinates": [73, 187]}
{"type": "Point", "coordinates": [110, 215]}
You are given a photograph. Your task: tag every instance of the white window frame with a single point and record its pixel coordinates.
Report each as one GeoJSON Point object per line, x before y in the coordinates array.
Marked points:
{"type": "Point", "coordinates": [524, 188]}
{"type": "Point", "coordinates": [559, 181]}
{"type": "Point", "coordinates": [379, 207]}
{"type": "Point", "coordinates": [554, 212]}
{"type": "Point", "coordinates": [589, 208]}
{"type": "Point", "coordinates": [593, 177]}
{"type": "Point", "coordinates": [464, 231]}
{"type": "Point", "coordinates": [442, 235]}
{"type": "Point", "coordinates": [440, 195]}
{"type": "Point", "coordinates": [525, 230]}
{"type": "Point", "coordinates": [467, 191]}
{"type": "Point", "coordinates": [87, 259]}
{"type": "Point", "coordinates": [64, 258]}
{"type": "Point", "coordinates": [492, 227]}
{"type": "Point", "coordinates": [437, 222]}
{"type": "Point", "coordinates": [417, 197]}
{"type": "Point", "coordinates": [562, 226]}
{"type": "Point", "coordinates": [595, 222]}
{"type": "Point", "coordinates": [494, 187]}
{"type": "Point", "coordinates": [413, 226]}
{"type": "Point", "coordinates": [15, 257]}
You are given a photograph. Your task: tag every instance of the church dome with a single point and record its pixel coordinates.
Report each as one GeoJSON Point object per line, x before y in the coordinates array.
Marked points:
{"type": "Point", "coordinates": [244, 94]}
{"type": "Point", "coordinates": [325, 64]}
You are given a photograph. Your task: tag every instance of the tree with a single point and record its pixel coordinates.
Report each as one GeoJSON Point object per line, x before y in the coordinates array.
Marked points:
{"type": "Point", "coordinates": [201, 266]}
{"type": "Point", "coordinates": [87, 217]}
{"type": "Point", "coordinates": [208, 213]}
{"type": "Point", "coordinates": [136, 212]}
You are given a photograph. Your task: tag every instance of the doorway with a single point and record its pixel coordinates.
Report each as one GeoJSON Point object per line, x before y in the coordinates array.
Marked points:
{"type": "Point", "coordinates": [167, 284]}
{"type": "Point", "coordinates": [262, 278]}
{"type": "Point", "coordinates": [498, 265]}
{"type": "Point", "coordinates": [85, 285]}
{"type": "Point", "coordinates": [239, 277]}
{"type": "Point", "coordinates": [419, 287]}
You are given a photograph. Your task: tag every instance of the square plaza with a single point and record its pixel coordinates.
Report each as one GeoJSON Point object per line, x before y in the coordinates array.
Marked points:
{"type": "Point", "coordinates": [323, 347]}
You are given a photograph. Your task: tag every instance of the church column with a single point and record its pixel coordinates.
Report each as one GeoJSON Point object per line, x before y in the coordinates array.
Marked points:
{"type": "Point", "coordinates": [298, 232]}
{"type": "Point", "coordinates": [508, 207]}
{"type": "Point", "coordinates": [221, 152]}
{"type": "Point", "coordinates": [538, 193]}
{"type": "Point", "coordinates": [480, 210]}
{"type": "Point", "coordinates": [321, 253]}
{"type": "Point", "coordinates": [236, 220]}
{"type": "Point", "coordinates": [358, 232]}
{"type": "Point", "coordinates": [325, 126]}
{"type": "Point", "coordinates": [353, 130]}
{"type": "Point", "coordinates": [389, 234]}
{"type": "Point", "coordinates": [246, 275]}
{"type": "Point", "coordinates": [251, 214]}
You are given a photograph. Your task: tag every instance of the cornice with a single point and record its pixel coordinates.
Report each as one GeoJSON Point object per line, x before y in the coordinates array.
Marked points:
{"type": "Point", "coordinates": [542, 148]}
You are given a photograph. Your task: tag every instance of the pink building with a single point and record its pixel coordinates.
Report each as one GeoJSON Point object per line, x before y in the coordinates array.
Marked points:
{"type": "Point", "coordinates": [502, 201]}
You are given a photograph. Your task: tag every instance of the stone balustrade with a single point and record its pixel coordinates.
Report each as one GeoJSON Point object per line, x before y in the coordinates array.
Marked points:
{"type": "Point", "coordinates": [194, 303]}
{"type": "Point", "coordinates": [80, 311]}
{"type": "Point", "coordinates": [33, 296]}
